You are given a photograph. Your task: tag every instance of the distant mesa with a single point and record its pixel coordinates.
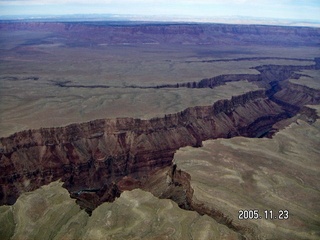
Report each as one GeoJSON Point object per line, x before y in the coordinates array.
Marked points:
{"type": "Point", "coordinates": [97, 33]}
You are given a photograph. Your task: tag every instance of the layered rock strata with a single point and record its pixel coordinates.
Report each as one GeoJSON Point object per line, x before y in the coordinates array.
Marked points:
{"type": "Point", "coordinates": [93, 158]}
{"type": "Point", "coordinates": [226, 176]}
{"type": "Point", "coordinates": [135, 215]}
{"type": "Point", "coordinates": [98, 154]}
{"type": "Point", "coordinates": [94, 33]}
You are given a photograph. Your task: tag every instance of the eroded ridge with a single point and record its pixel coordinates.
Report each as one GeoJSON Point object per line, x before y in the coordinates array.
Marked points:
{"type": "Point", "coordinates": [225, 177]}
{"type": "Point", "coordinates": [100, 159]}
{"type": "Point", "coordinates": [269, 75]}
{"type": "Point", "coordinates": [181, 179]}
{"type": "Point", "coordinates": [77, 33]}
{"type": "Point", "coordinates": [89, 155]}
{"type": "Point", "coordinates": [92, 158]}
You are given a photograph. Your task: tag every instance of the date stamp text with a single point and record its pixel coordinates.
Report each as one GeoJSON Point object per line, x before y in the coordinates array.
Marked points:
{"type": "Point", "coordinates": [265, 214]}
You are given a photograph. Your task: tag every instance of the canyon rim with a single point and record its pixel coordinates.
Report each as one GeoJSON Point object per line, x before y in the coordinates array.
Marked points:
{"type": "Point", "coordinates": [154, 127]}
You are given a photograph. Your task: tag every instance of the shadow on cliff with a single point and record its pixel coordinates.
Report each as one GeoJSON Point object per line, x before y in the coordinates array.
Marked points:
{"type": "Point", "coordinates": [98, 160]}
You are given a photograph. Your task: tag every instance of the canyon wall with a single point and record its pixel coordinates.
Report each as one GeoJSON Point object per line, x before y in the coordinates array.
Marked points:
{"type": "Point", "coordinates": [228, 175]}
{"type": "Point", "coordinates": [100, 159]}
{"type": "Point", "coordinates": [217, 34]}
{"type": "Point", "coordinates": [101, 152]}
{"type": "Point", "coordinates": [50, 213]}
{"type": "Point", "coordinates": [93, 158]}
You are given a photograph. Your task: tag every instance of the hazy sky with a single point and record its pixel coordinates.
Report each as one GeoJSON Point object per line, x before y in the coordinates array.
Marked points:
{"type": "Point", "coordinates": [279, 9]}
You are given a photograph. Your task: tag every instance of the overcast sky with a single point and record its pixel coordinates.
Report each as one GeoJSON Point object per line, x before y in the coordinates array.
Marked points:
{"type": "Point", "coordinates": [276, 9]}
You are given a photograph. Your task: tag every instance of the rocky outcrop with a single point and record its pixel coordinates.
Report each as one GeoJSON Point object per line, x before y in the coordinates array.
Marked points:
{"type": "Point", "coordinates": [303, 94]}
{"type": "Point", "coordinates": [181, 179]}
{"type": "Point", "coordinates": [228, 175]}
{"type": "Point", "coordinates": [269, 78]}
{"type": "Point", "coordinates": [50, 213]}
{"type": "Point", "coordinates": [93, 156]}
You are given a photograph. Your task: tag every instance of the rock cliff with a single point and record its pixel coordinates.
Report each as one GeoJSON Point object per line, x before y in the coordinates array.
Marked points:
{"type": "Point", "coordinates": [50, 213]}
{"type": "Point", "coordinates": [94, 156]}
{"type": "Point", "coordinates": [218, 34]}
{"type": "Point", "coordinates": [101, 159]}
{"type": "Point", "coordinates": [228, 175]}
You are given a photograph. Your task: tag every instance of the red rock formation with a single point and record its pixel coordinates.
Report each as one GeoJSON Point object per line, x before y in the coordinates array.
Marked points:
{"type": "Point", "coordinates": [303, 94]}
{"type": "Point", "coordinates": [91, 155]}
{"type": "Point", "coordinates": [98, 154]}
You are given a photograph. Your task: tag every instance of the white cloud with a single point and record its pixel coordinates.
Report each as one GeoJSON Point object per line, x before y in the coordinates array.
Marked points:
{"type": "Point", "coordinates": [27, 2]}
{"type": "Point", "coordinates": [293, 9]}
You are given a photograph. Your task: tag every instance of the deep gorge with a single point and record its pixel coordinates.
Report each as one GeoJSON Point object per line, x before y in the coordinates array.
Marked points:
{"type": "Point", "coordinates": [91, 158]}
{"type": "Point", "coordinates": [98, 160]}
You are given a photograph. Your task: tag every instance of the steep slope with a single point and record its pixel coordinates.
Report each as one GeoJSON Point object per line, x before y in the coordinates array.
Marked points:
{"type": "Point", "coordinates": [226, 176]}
{"type": "Point", "coordinates": [101, 159]}
{"type": "Point", "coordinates": [135, 215]}
{"type": "Point", "coordinates": [93, 158]}
{"type": "Point", "coordinates": [93, 33]}
{"type": "Point", "coordinates": [101, 152]}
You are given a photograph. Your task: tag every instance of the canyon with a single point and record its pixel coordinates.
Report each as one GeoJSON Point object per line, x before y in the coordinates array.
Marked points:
{"type": "Point", "coordinates": [105, 161]}
{"type": "Point", "coordinates": [111, 149]}
{"type": "Point", "coordinates": [100, 159]}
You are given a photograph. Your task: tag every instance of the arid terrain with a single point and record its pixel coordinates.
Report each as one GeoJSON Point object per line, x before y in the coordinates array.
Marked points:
{"type": "Point", "coordinates": [158, 131]}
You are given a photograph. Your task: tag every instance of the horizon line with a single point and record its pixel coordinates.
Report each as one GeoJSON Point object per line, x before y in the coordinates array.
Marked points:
{"type": "Point", "coordinates": [90, 17]}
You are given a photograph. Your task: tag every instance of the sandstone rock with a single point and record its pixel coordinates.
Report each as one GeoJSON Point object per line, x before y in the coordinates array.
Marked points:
{"type": "Point", "coordinates": [229, 175]}
{"type": "Point", "coordinates": [127, 147]}
{"type": "Point", "coordinates": [49, 213]}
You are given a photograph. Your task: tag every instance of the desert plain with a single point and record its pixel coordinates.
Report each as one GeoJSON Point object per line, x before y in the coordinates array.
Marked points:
{"type": "Point", "coordinates": [158, 131]}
